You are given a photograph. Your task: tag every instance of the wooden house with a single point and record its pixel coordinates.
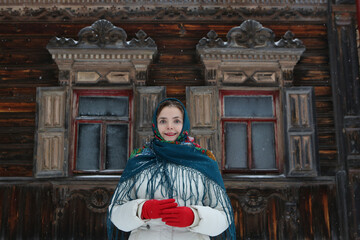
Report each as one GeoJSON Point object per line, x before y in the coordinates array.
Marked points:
{"type": "Point", "coordinates": [272, 88]}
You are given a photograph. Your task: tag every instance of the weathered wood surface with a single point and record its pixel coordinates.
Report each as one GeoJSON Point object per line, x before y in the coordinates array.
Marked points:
{"type": "Point", "coordinates": [25, 64]}
{"type": "Point", "coordinates": [36, 210]}
{"type": "Point", "coordinates": [47, 210]}
{"type": "Point", "coordinates": [26, 211]}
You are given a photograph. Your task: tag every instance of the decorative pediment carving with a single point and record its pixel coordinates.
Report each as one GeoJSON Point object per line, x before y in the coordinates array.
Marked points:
{"type": "Point", "coordinates": [103, 34]}
{"type": "Point", "coordinates": [141, 40]}
{"type": "Point", "coordinates": [102, 54]}
{"type": "Point", "coordinates": [250, 34]}
{"type": "Point", "coordinates": [62, 42]}
{"type": "Point", "coordinates": [250, 56]}
{"type": "Point", "coordinates": [212, 40]}
{"type": "Point", "coordinates": [288, 41]}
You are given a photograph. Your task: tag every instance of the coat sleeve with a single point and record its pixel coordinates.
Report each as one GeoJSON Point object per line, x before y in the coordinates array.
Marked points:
{"type": "Point", "coordinates": [125, 214]}
{"type": "Point", "coordinates": [212, 219]}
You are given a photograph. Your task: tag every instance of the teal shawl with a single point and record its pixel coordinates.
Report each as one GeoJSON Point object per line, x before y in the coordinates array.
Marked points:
{"type": "Point", "coordinates": [190, 160]}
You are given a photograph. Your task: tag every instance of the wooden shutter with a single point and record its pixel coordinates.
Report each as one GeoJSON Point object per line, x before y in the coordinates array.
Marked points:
{"type": "Point", "coordinates": [301, 132]}
{"type": "Point", "coordinates": [50, 151]}
{"type": "Point", "coordinates": [146, 100]}
{"type": "Point", "coordinates": [201, 104]}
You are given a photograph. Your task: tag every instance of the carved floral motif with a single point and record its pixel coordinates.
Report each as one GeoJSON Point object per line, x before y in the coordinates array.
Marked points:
{"type": "Point", "coordinates": [102, 33]}
{"type": "Point", "coordinates": [250, 34]}
{"type": "Point", "coordinates": [97, 199]}
{"type": "Point", "coordinates": [253, 201]}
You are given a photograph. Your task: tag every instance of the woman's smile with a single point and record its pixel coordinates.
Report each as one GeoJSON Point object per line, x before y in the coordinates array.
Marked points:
{"type": "Point", "coordinates": [170, 134]}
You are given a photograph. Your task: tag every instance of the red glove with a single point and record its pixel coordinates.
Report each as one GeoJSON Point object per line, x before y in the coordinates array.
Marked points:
{"type": "Point", "coordinates": [178, 217]}
{"type": "Point", "coordinates": [152, 208]}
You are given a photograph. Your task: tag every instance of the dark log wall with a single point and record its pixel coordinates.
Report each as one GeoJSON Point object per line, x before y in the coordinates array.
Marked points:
{"type": "Point", "coordinates": [26, 211]}
{"type": "Point", "coordinates": [26, 64]}
{"type": "Point", "coordinates": [63, 209]}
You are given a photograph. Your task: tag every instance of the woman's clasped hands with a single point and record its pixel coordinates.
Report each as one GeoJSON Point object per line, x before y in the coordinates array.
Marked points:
{"type": "Point", "coordinates": [168, 211]}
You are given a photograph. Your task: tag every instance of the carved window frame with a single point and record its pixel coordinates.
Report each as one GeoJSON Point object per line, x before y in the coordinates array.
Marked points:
{"type": "Point", "coordinates": [75, 119]}
{"type": "Point", "coordinates": [102, 61]}
{"type": "Point", "coordinates": [251, 59]}
{"type": "Point", "coordinates": [276, 119]}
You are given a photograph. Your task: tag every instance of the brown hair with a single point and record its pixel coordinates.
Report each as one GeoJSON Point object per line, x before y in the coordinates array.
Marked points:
{"type": "Point", "coordinates": [170, 103]}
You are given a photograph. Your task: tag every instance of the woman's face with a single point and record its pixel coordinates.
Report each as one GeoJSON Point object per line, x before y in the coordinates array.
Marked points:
{"type": "Point", "coordinates": [170, 123]}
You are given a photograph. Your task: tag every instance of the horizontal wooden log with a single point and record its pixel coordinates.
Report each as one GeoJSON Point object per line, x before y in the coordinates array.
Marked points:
{"type": "Point", "coordinates": [172, 43]}
{"type": "Point", "coordinates": [315, 59]}
{"type": "Point", "coordinates": [327, 140]}
{"type": "Point", "coordinates": [168, 75]}
{"type": "Point", "coordinates": [324, 106]}
{"type": "Point", "coordinates": [17, 107]}
{"type": "Point", "coordinates": [44, 29]}
{"type": "Point", "coordinates": [301, 30]}
{"type": "Point", "coordinates": [17, 119]}
{"type": "Point", "coordinates": [15, 153]}
{"type": "Point", "coordinates": [21, 58]}
{"type": "Point", "coordinates": [18, 94]}
{"type": "Point", "coordinates": [323, 91]}
{"type": "Point", "coordinates": [18, 169]}
{"type": "Point", "coordinates": [328, 154]}
{"type": "Point", "coordinates": [48, 28]}
{"type": "Point", "coordinates": [34, 76]}
{"type": "Point", "coordinates": [21, 136]}
{"type": "Point", "coordinates": [179, 57]}
{"type": "Point", "coordinates": [175, 90]}
{"type": "Point", "coordinates": [315, 44]}
{"type": "Point", "coordinates": [30, 43]}
{"type": "Point", "coordinates": [325, 123]}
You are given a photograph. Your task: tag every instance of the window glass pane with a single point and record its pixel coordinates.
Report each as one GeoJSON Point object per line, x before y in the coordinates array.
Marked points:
{"type": "Point", "coordinates": [236, 145]}
{"type": "Point", "coordinates": [263, 145]}
{"type": "Point", "coordinates": [103, 106]}
{"type": "Point", "coordinates": [88, 147]}
{"type": "Point", "coordinates": [116, 146]}
{"type": "Point", "coordinates": [248, 106]}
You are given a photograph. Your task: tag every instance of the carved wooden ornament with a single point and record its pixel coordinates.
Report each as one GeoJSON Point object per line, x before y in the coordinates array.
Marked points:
{"type": "Point", "coordinates": [249, 57]}
{"type": "Point", "coordinates": [102, 54]}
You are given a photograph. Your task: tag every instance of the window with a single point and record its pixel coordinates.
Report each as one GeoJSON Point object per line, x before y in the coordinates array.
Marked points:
{"type": "Point", "coordinates": [101, 123]}
{"type": "Point", "coordinates": [249, 130]}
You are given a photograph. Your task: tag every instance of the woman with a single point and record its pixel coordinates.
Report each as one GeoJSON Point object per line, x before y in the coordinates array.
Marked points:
{"type": "Point", "coordinates": [171, 188]}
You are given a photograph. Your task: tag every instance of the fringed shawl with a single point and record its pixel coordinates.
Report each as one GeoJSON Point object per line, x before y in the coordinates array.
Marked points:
{"type": "Point", "coordinates": [189, 160]}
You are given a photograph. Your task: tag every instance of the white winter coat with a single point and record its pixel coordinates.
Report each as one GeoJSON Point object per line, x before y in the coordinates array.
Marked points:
{"type": "Point", "coordinates": [210, 219]}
